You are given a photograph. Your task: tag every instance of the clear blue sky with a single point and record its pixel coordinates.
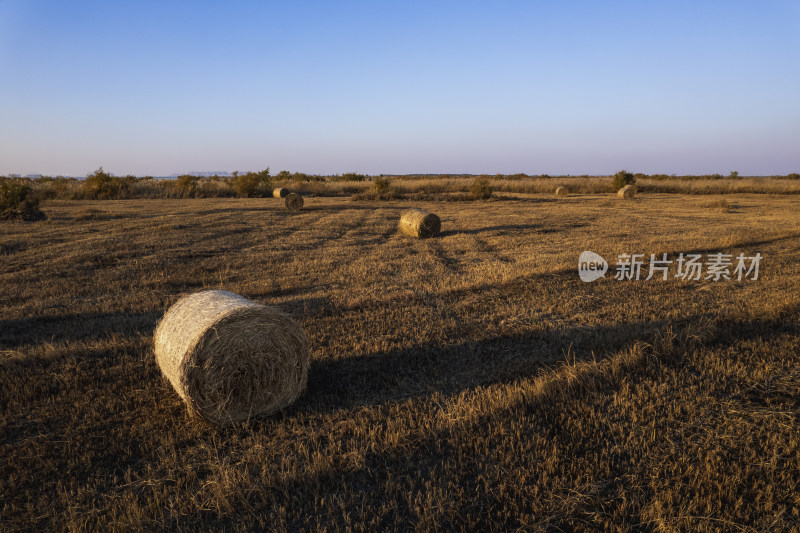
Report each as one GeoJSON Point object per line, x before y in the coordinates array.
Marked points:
{"type": "Point", "coordinates": [557, 87]}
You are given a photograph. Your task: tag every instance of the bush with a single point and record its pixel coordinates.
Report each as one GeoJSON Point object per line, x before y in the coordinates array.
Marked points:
{"type": "Point", "coordinates": [381, 185]}
{"type": "Point", "coordinates": [17, 202]}
{"type": "Point", "coordinates": [793, 176]}
{"type": "Point", "coordinates": [349, 176]}
{"type": "Point", "coordinates": [246, 186]}
{"type": "Point", "coordinates": [480, 189]}
{"type": "Point", "coordinates": [252, 184]}
{"type": "Point", "coordinates": [187, 185]}
{"type": "Point", "coordinates": [100, 185]}
{"type": "Point", "coordinates": [621, 179]}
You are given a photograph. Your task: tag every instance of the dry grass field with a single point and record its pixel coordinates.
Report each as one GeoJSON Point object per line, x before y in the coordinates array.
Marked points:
{"type": "Point", "coordinates": [470, 381]}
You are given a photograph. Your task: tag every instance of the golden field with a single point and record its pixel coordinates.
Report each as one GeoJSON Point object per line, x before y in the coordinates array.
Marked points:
{"type": "Point", "coordinates": [470, 381]}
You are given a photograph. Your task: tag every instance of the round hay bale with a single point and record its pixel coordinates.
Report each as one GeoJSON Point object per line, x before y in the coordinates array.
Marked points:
{"type": "Point", "coordinates": [628, 191]}
{"type": "Point", "coordinates": [280, 192]}
{"type": "Point", "coordinates": [562, 191]}
{"type": "Point", "coordinates": [420, 224]}
{"type": "Point", "coordinates": [231, 359]}
{"type": "Point", "coordinates": [293, 202]}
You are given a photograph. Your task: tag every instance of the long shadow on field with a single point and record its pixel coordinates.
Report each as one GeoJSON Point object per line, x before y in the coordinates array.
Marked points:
{"type": "Point", "coordinates": [348, 207]}
{"type": "Point", "coordinates": [378, 378]}
{"type": "Point", "coordinates": [550, 414]}
{"type": "Point", "coordinates": [73, 327]}
{"type": "Point", "coordinates": [244, 209]}
{"type": "Point", "coordinates": [506, 227]}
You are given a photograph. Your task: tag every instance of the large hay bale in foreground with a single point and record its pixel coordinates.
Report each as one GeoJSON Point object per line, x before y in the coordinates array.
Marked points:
{"type": "Point", "coordinates": [420, 224]}
{"type": "Point", "coordinates": [562, 191]}
{"type": "Point", "coordinates": [231, 359]}
{"type": "Point", "coordinates": [293, 202]}
{"type": "Point", "coordinates": [628, 191]}
{"type": "Point", "coordinates": [280, 192]}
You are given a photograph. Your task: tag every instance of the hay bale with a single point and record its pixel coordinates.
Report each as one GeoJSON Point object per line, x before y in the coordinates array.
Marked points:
{"type": "Point", "coordinates": [562, 191]}
{"type": "Point", "coordinates": [231, 359]}
{"type": "Point", "coordinates": [420, 224]}
{"type": "Point", "coordinates": [280, 192]}
{"type": "Point", "coordinates": [628, 191]}
{"type": "Point", "coordinates": [293, 202]}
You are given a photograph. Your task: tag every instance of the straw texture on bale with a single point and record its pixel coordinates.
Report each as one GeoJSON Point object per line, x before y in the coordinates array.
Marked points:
{"type": "Point", "coordinates": [231, 359]}
{"type": "Point", "coordinates": [628, 191]}
{"type": "Point", "coordinates": [293, 202]}
{"type": "Point", "coordinates": [280, 192]}
{"type": "Point", "coordinates": [420, 224]}
{"type": "Point", "coordinates": [562, 191]}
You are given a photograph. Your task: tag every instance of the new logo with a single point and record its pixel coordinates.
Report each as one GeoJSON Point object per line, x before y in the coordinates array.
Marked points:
{"type": "Point", "coordinates": [591, 266]}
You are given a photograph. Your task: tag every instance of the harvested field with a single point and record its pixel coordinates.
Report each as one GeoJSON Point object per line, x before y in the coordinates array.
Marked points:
{"type": "Point", "coordinates": [471, 381]}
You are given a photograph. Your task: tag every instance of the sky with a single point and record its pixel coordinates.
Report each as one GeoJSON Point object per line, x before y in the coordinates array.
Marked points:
{"type": "Point", "coordinates": [556, 87]}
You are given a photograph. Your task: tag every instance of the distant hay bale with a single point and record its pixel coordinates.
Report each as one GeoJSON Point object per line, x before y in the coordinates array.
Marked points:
{"type": "Point", "coordinates": [293, 202]}
{"type": "Point", "coordinates": [562, 191]}
{"type": "Point", "coordinates": [628, 191]}
{"type": "Point", "coordinates": [231, 359]}
{"type": "Point", "coordinates": [420, 224]}
{"type": "Point", "coordinates": [280, 192]}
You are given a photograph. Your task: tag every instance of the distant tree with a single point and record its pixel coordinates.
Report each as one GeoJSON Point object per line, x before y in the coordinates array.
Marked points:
{"type": "Point", "coordinates": [264, 175]}
{"type": "Point", "coordinates": [100, 185]}
{"type": "Point", "coordinates": [252, 184]}
{"type": "Point", "coordinates": [621, 179]}
{"type": "Point", "coordinates": [734, 174]}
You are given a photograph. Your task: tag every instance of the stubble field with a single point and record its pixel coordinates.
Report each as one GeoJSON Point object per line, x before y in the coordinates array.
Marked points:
{"type": "Point", "coordinates": [470, 381]}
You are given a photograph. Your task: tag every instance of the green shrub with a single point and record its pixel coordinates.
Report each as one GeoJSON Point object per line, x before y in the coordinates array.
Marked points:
{"type": "Point", "coordinates": [733, 175]}
{"type": "Point", "coordinates": [252, 184]}
{"type": "Point", "coordinates": [480, 189]}
{"type": "Point", "coordinates": [246, 186]}
{"type": "Point", "coordinates": [187, 184]}
{"type": "Point", "coordinates": [100, 185]}
{"type": "Point", "coordinates": [17, 202]}
{"type": "Point", "coordinates": [793, 176]}
{"type": "Point", "coordinates": [381, 185]}
{"type": "Point", "coordinates": [621, 179]}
